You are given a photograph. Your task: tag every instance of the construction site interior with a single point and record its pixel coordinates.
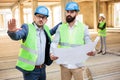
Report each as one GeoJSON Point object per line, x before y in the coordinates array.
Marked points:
{"type": "Point", "coordinates": [102, 67]}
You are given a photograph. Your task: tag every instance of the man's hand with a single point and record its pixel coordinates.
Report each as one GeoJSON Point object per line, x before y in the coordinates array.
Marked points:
{"type": "Point", "coordinates": [52, 57]}
{"type": "Point", "coordinates": [12, 26]}
{"type": "Point", "coordinates": [92, 53]}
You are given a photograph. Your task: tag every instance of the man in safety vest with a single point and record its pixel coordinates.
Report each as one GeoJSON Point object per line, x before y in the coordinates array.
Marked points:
{"type": "Point", "coordinates": [102, 33]}
{"type": "Point", "coordinates": [35, 43]}
{"type": "Point", "coordinates": [70, 34]}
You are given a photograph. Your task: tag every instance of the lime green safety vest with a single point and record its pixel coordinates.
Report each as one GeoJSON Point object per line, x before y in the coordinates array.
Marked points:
{"type": "Point", "coordinates": [102, 32]}
{"type": "Point", "coordinates": [28, 52]}
{"type": "Point", "coordinates": [77, 37]}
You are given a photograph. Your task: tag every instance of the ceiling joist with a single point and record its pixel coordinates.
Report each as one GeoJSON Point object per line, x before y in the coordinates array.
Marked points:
{"type": "Point", "coordinates": [14, 3]}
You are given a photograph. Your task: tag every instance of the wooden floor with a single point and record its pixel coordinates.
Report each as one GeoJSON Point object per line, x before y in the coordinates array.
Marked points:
{"type": "Point", "coordinates": [103, 67]}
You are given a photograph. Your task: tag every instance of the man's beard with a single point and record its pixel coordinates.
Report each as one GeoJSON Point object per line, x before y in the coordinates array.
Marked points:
{"type": "Point", "coordinates": [70, 19]}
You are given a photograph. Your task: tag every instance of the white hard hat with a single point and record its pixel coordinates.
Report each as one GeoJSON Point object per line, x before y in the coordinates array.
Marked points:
{"type": "Point", "coordinates": [102, 15]}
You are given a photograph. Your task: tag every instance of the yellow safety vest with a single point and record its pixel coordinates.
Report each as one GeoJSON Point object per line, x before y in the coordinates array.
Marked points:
{"type": "Point", "coordinates": [102, 32]}
{"type": "Point", "coordinates": [28, 52]}
{"type": "Point", "coordinates": [77, 37]}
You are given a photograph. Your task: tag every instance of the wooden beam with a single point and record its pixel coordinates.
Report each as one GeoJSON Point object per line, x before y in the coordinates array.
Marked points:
{"type": "Point", "coordinates": [97, 9]}
{"type": "Point", "coordinates": [34, 4]}
{"type": "Point", "coordinates": [115, 1]}
{"type": "Point", "coordinates": [7, 1]}
{"type": "Point", "coordinates": [96, 13]}
{"type": "Point", "coordinates": [21, 17]}
{"type": "Point", "coordinates": [15, 5]}
{"type": "Point", "coordinates": [49, 0]}
{"type": "Point", "coordinates": [5, 7]}
{"type": "Point", "coordinates": [23, 1]}
{"type": "Point", "coordinates": [82, 0]}
{"type": "Point", "coordinates": [92, 0]}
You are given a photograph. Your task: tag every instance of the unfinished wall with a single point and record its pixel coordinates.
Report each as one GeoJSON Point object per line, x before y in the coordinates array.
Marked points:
{"type": "Point", "coordinates": [110, 14]}
{"type": "Point", "coordinates": [86, 9]}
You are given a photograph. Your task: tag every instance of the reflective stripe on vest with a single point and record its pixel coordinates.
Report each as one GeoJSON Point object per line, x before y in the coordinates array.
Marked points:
{"type": "Point", "coordinates": [77, 37]}
{"type": "Point", "coordinates": [26, 61]}
{"type": "Point", "coordinates": [28, 49]}
{"type": "Point", "coordinates": [31, 52]}
{"type": "Point", "coordinates": [67, 44]}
